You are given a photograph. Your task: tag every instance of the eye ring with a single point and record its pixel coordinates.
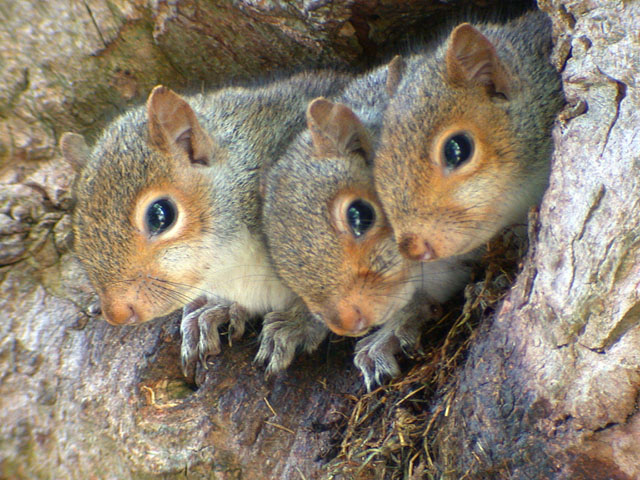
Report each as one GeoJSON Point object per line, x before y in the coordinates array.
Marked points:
{"type": "Point", "coordinates": [360, 216]}
{"type": "Point", "coordinates": [457, 149]}
{"type": "Point", "coordinates": [160, 216]}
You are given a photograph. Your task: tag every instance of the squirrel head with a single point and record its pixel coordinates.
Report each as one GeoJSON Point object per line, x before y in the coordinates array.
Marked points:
{"type": "Point", "coordinates": [141, 208]}
{"type": "Point", "coordinates": [456, 163]}
{"type": "Point", "coordinates": [327, 235]}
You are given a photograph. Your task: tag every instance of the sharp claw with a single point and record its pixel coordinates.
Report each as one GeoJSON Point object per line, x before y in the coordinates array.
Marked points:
{"type": "Point", "coordinates": [367, 383]}
{"type": "Point", "coordinates": [186, 369]}
{"type": "Point", "coordinates": [235, 334]}
{"type": "Point", "coordinates": [268, 374]}
{"type": "Point", "coordinates": [379, 378]}
{"type": "Point", "coordinates": [203, 362]}
{"type": "Point", "coordinates": [199, 331]}
{"type": "Point", "coordinates": [263, 354]}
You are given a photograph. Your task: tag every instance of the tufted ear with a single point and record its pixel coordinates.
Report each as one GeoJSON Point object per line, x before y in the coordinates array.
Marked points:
{"type": "Point", "coordinates": [174, 128]}
{"type": "Point", "coordinates": [75, 150]}
{"type": "Point", "coordinates": [395, 70]}
{"type": "Point", "coordinates": [336, 130]}
{"type": "Point", "coordinates": [472, 59]}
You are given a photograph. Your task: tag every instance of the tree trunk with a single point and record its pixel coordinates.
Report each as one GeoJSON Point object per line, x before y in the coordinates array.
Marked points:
{"type": "Point", "coordinates": [549, 386]}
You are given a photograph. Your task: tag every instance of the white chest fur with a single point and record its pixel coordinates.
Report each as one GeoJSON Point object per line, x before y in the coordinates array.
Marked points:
{"type": "Point", "coordinates": [243, 273]}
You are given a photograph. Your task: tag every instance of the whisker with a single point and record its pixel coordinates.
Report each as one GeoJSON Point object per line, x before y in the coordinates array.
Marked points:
{"type": "Point", "coordinates": [182, 298]}
{"type": "Point", "coordinates": [155, 295]}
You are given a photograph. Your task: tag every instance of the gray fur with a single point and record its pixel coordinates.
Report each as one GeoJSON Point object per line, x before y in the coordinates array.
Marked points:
{"type": "Point", "coordinates": [251, 127]}
{"type": "Point", "coordinates": [425, 100]}
{"type": "Point", "coordinates": [307, 254]}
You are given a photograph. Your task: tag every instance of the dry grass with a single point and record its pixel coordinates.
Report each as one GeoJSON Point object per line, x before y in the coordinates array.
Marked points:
{"type": "Point", "coordinates": [390, 432]}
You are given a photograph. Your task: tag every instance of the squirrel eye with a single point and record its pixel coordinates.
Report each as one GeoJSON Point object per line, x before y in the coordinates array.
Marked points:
{"type": "Point", "coordinates": [360, 216]}
{"type": "Point", "coordinates": [458, 148]}
{"type": "Point", "coordinates": [160, 215]}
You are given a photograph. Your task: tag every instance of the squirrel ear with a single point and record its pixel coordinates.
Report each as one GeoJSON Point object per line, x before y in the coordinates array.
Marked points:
{"type": "Point", "coordinates": [472, 58]}
{"type": "Point", "coordinates": [336, 130]}
{"type": "Point", "coordinates": [173, 126]}
{"type": "Point", "coordinates": [395, 70]}
{"type": "Point", "coordinates": [75, 150]}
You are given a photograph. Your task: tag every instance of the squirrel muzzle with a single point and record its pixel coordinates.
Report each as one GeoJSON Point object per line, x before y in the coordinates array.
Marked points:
{"type": "Point", "coordinates": [414, 247]}
{"type": "Point", "coordinates": [120, 314]}
{"type": "Point", "coordinates": [425, 243]}
{"type": "Point", "coordinates": [124, 308]}
{"type": "Point", "coordinates": [351, 318]}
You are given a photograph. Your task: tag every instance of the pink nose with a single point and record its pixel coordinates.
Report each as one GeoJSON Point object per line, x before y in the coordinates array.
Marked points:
{"type": "Point", "coordinates": [415, 247]}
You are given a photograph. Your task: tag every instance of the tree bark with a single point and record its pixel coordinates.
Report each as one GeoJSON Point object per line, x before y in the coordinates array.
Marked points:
{"type": "Point", "coordinates": [549, 387]}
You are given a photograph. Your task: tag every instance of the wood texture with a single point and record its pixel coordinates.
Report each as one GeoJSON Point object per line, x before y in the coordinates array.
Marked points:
{"type": "Point", "coordinates": [550, 386]}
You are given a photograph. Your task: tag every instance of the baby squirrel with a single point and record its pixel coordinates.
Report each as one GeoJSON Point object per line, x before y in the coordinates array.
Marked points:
{"type": "Point", "coordinates": [168, 213]}
{"type": "Point", "coordinates": [466, 144]}
{"type": "Point", "coordinates": [331, 243]}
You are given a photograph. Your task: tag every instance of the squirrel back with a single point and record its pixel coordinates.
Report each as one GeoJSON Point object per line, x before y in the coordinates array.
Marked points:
{"type": "Point", "coordinates": [326, 231]}
{"type": "Point", "coordinates": [167, 202]}
{"type": "Point", "coordinates": [466, 143]}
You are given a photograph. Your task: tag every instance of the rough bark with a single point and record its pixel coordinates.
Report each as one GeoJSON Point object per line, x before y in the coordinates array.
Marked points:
{"type": "Point", "coordinates": [550, 386]}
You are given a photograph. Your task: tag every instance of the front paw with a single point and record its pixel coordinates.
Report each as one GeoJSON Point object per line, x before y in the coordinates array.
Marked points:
{"type": "Point", "coordinates": [375, 357]}
{"type": "Point", "coordinates": [375, 354]}
{"type": "Point", "coordinates": [285, 333]}
{"type": "Point", "coordinates": [199, 330]}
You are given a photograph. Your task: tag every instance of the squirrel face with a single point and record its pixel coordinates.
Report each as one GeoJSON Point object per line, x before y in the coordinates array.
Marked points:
{"type": "Point", "coordinates": [365, 261]}
{"type": "Point", "coordinates": [142, 212]}
{"type": "Point", "coordinates": [465, 144]}
{"type": "Point", "coordinates": [457, 187]}
{"type": "Point", "coordinates": [327, 234]}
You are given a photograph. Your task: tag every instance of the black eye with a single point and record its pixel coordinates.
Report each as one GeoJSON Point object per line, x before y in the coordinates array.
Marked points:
{"type": "Point", "coordinates": [160, 215]}
{"type": "Point", "coordinates": [457, 149]}
{"type": "Point", "coordinates": [360, 217]}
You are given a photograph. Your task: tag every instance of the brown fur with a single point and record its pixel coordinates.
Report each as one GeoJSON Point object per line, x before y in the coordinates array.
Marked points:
{"type": "Point", "coordinates": [352, 283]}
{"type": "Point", "coordinates": [495, 83]}
{"type": "Point", "coordinates": [204, 153]}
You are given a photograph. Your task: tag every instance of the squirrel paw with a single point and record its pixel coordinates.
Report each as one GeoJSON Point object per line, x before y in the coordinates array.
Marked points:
{"type": "Point", "coordinates": [284, 333]}
{"type": "Point", "coordinates": [199, 330]}
{"type": "Point", "coordinates": [375, 353]}
{"type": "Point", "coordinates": [375, 357]}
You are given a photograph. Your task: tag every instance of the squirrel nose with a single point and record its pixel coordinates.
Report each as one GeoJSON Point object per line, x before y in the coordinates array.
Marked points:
{"type": "Point", "coordinates": [414, 247]}
{"type": "Point", "coordinates": [120, 313]}
{"type": "Point", "coordinates": [350, 321]}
